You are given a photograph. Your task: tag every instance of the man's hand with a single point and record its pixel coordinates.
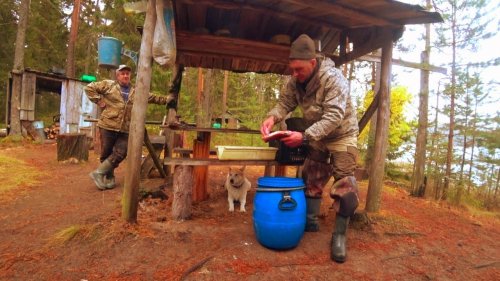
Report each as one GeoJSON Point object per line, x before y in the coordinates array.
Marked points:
{"type": "Point", "coordinates": [101, 104]}
{"type": "Point", "coordinates": [293, 140]}
{"type": "Point", "coordinates": [266, 126]}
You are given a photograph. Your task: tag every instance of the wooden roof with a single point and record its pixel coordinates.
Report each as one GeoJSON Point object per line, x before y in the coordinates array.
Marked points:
{"type": "Point", "coordinates": [236, 35]}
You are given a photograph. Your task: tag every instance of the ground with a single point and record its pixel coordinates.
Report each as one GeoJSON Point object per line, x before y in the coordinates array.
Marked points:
{"type": "Point", "coordinates": [61, 227]}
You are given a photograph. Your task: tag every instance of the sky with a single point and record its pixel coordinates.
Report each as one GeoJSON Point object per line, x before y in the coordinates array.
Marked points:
{"type": "Point", "coordinates": [488, 50]}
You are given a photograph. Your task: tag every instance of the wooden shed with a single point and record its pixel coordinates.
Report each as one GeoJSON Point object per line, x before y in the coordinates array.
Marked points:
{"type": "Point", "coordinates": [75, 107]}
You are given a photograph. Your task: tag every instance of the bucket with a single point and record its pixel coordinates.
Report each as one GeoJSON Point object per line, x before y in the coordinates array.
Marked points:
{"type": "Point", "coordinates": [39, 126]}
{"type": "Point", "coordinates": [279, 214]}
{"type": "Point", "coordinates": [109, 50]}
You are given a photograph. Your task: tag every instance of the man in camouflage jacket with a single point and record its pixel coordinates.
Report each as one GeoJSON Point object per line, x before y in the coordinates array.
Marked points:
{"type": "Point", "coordinates": [115, 98]}
{"type": "Point", "coordinates": [322, 93]}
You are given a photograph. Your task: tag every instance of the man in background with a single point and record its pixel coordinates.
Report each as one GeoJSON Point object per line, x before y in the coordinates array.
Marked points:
{"type": "Point", "coordinates": [115, 98]}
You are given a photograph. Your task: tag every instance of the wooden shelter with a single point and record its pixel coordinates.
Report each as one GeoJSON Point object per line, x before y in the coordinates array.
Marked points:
{"type": "Point", "coordinates": [254, 36]}
{"type": "Point", "coordinates": [74, 105]}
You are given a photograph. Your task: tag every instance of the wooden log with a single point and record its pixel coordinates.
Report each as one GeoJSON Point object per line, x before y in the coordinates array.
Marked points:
{"type": "Point", "coordinates": [130, 197]}
{"type": "Point", "coordinates": [182, 191]}
{"type": "Point", "coordinates": [201, 149]}
{"type": "Point", "coordinates": [72, 145]}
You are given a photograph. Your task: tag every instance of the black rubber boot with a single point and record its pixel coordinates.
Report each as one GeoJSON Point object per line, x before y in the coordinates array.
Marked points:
{"type": "Point", "coordinates": [111, 183]}
{"type": "Point", "coordinates": [100, 173]}
{"type": "Point", "coordinates": [339, 239]}
{"type": "Point", "coordinates": [313, 207]}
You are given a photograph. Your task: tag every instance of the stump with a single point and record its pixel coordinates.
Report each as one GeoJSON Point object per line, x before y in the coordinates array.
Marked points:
{"type": "Point", "coordinates": [72, 146]}
{"type": "Point", "coordinates": [183, 188]}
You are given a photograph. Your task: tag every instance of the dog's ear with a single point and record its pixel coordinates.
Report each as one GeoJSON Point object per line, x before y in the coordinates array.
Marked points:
{"type": "Point", "coordinates": [243, 168]}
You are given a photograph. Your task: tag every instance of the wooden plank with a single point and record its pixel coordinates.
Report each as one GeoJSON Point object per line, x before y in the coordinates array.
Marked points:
{"type": "Point", "coordinates": [217, 162]}
{"type": "Point", "coordinates": [220, 47]}
{"type": "Point", "coordinates": [336, 11]}
{"type": "Point", "coordinates": [201, 149]}
{"type": "Point", "coordinates": [28, 90]}
{"type": "Point", "coordinates": [261, 10]}
{"type": "Point", "coordinates": [416, 65]}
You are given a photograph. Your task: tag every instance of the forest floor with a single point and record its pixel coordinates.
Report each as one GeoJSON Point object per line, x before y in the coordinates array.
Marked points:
{"type": "Point", "coordinates": [55, 225]}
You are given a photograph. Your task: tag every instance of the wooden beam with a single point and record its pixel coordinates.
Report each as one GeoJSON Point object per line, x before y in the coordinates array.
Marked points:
{"type": "Point", "coordinates": [416, 65]}
{"type": "Point", "coordinates": [368, 114]}
{"type": "Point", "coordinates": [213, 161]}
{"type": "Point", "coordinates": [336, 9]}
{"type": "Point", "coordinates": [221, 47]}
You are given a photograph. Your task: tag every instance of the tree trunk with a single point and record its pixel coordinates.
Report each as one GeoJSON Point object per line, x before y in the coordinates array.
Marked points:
{"type": "Point", "coordinates": [72, 146]}
{"type": "Point", "coordinates": [449, 153]}
{"type": "Point", "coordinates": [182, 185]}
{"type": "Point", "coordinates": [15, 101]}
{"type": "Point", "coordinates": [381, 139]}
{"type": "Point", "coordinates": [70, 59]}
{"type": "Point", "coordinates": [136, 133]}
{"type": "Point", "coordinates": [423, 111]}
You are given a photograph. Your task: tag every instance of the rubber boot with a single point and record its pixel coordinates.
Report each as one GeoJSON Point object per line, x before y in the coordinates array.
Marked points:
{"type": "Point", "coordinates": [100, 173]}
{"type": "Point", "coordinates": [339, 239]}
{"type": "Point", "coordinates": [313, 207]}
{"type": "Point", "coordinates": [111, 183]}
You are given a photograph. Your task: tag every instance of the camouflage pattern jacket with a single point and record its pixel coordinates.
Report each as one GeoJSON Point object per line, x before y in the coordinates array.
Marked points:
{"type": "Point", "coordinates": [328, 112]}
{"type": "Point", "coordinates": [118, 112]}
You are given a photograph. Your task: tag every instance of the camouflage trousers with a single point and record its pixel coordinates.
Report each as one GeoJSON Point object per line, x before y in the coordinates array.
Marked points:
{"type": "Point", "coordinates": [316, 174]}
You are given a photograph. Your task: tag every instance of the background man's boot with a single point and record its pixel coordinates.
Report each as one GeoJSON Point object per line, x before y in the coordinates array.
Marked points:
{"type": "Point", "coordinates": [313, 207]}
{"type": "Point", "coordinates": [100, 173]}
{"type": "Point", "coordinates": [339, 239]}
{"type": "Point", "coordinates": [111, 183]}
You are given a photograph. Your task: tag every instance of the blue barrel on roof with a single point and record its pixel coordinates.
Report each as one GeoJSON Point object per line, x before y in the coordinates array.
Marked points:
{"type": "Point", "coordinates": [279, 212]}
{"type": "Point", "coordinates": [109, 52]}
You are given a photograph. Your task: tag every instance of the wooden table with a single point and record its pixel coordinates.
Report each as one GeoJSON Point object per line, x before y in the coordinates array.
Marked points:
{"type": "Point", "coordinates": [201, 157]}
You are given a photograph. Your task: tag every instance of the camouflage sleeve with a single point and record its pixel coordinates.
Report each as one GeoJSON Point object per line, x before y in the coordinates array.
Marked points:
{"type": "Point", "coordinates": [334, 108]}
{"type": "Point", "coordinates": [156, 99]}
{"type": "Point", "coordinates": [95, 90]}
{"type": "Point", "coordinates": [287, 102]}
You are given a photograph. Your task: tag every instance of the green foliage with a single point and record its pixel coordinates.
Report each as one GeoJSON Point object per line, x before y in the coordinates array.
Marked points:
{"type": "Point", "coordinates": [400, 129]}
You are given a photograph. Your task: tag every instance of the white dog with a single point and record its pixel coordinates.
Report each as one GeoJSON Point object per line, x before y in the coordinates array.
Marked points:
{"type": "Point", "coordinates": [237, 186]}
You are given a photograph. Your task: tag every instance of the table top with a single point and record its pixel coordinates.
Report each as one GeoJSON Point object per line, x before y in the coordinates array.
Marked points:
{"type": "Point", "coordinates": [185, 127]}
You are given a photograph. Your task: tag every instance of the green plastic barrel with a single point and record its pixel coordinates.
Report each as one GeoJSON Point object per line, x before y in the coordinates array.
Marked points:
{"type": "Point", "coordinates": [109, 52]}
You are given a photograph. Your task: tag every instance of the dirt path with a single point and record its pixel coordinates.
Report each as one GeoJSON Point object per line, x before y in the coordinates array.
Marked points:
{"type": "Point", "coordinates": [65, 229]}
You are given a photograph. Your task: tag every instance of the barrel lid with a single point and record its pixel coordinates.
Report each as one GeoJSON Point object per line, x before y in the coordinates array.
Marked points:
{"type": "Point", "coordinates": [280, 182]}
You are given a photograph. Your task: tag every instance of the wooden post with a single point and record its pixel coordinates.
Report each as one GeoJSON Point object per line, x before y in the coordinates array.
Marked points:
{"type": "Point", "coordinates": [175, 89]}
{"type": "Point", "coordinates": [381, 136]}
{"type": "Point", "coordinates": [182, 190]}
{"type": "Point", "coordinates": [136, 133]}
{"type": "Point", "coordinates": [73, 33]}
{"type": "Point", "coordinates": [201, 149]}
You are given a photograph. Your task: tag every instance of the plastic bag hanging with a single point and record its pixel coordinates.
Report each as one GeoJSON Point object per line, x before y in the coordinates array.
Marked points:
{"type": "Point", "coordinates": [164, 47]}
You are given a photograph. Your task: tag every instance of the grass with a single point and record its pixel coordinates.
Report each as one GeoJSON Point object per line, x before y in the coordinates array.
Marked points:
{"type": "Point", "coordinates": [16, 173]}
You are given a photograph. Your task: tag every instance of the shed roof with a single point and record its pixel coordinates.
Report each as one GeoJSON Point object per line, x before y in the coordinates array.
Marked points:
{"type": "Point", "coordinates": [238, 35]}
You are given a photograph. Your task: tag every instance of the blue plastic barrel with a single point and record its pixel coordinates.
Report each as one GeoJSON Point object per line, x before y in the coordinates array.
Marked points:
{"type": "Point", "coordinates": [279, 213]}
{"type": "Point", "coordinates": [109, 51]}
